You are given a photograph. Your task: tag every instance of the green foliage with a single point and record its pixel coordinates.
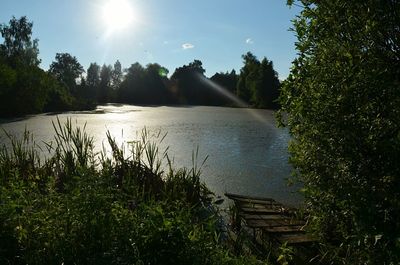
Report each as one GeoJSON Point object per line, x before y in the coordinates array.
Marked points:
{"type": "Point", "coordinates": [90, 91]}
{"type": "Point", "coordinates": [58, 98]}
{"type": "Point", "coordinates": [258, 82]}
{"type": "Point", "coordinates": [93, 75]}
{"type": "Point", "coordinates": [18, 47]}
{"type": "Point", "coordinates": [105, 91]}
{"type": "Point", "coordinates": [117, 207]}
{"type": "Point", "coordinates": [144, 85]}
{"type": "Point", "coordinates": [67, 70]}
{"type": "Point", "coordinates": [30, 90]}
{"type": "Point", "coordinates": [21, 88]}
{"type": "Point", "coordinates": [227, 81]}
{"type": "Point", "coordinates": [24, 90]}
{"type": "Point", "coordinates": [117, 75]}
{"type": "Point", "coordinates": [285, 255]}
{"type": "Point", "coordinates": [265, 87]}
{"type": "Point", "coordinates": [187, 82]}
{"type": "Point", "coordinates": [343, 103]}
{"type": "Point", "coordinates": [132, 87]}
{"type": "Point", "coordinates": [8, 78]}
{"type": "Point", "coordinates": [249, 69]}
{"type": "Point", "coordinates": [24, 87]}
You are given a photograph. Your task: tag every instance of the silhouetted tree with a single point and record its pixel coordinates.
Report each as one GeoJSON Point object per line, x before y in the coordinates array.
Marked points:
{"type": "Point", "coordinates": [24, 87]}
{"type": "Point", "coordinates": [265, 86]}
{"type": "Point", "coordinates": [18, 46]}
{"type": "Point", "coordinates": [104, 89]}
{"type": "Point", "coordinates": [58, 98]}
{"type": "Point", "coordinates": [144, 85]}
{"type": "Point", "coordinates": [258, 82]}
{"type": "Point", "coordinates": [132, 87]}
{"type": "Point", "coordinates": [21, 91]}
{"type": "Point", "coordinates": [227, 81]}
{"type": "Point", "coordinates": [188, 81]}
{"type": "Point", "coordinates": [67, 70]}
{"type": "Point", "coordinates": [8, 79]}
{"type": "Point", "coordinates": [93, 75]}
{"type": "Point", "coordinates": [92, 82]}
{"type": "Point", "coordinates": [248, 73]}
{"type": "Point", "coordinates": [155, 82]}
{"type": "Point", "coordinates": [117, 75]}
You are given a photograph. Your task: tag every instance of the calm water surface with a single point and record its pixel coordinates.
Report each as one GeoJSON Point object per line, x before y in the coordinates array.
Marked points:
{"type": "Point", "coordinates": [247, 153]}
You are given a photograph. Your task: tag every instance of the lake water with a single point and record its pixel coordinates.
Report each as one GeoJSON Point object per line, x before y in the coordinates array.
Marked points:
{"type": "Point", "coordinates": [247, 153]}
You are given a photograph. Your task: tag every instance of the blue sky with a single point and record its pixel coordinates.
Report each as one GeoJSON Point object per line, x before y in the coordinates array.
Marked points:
{"type": "Point", "coordinates": [169, 32]}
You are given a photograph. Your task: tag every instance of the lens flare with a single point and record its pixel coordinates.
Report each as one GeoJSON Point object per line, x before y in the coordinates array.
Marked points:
{"type": "Point", "coordinates": [232, 97]}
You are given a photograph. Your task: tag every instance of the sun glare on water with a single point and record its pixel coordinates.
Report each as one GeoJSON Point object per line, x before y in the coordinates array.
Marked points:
{"type": "Point", "coordinates": [117, 14]}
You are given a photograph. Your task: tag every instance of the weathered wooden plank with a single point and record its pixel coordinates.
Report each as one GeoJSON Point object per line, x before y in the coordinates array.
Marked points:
{"type": "Point", "coordinates": [252, 201]}
{"type": "Point", "coordinates": [295, 238]}
{"type": "Point", "coordinates": [283, 229]}
{"type": "Point", "coordinates": [248, 216]}
{"type": "Point", "coordinates": [256, 205]}
{"type": "Point", "coordinates": [259, 210]}
{"type": "Point", "coordinates": [265, 201]}
{"type": "Point", "coordinates": [260, 206]}
{"type": "Point", "coordinates": [231, 195]}
{"type": "Point", "coordinates": [271, 217]}
{"type": "Point", "coordinates": [275, 215]}
{"type": "Point", "coordinates": [273, 222]}
{"type": "Point", "coordinates": [250, 208]}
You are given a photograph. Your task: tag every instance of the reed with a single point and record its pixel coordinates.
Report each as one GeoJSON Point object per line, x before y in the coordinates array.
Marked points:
{"type": "Point", "coordinates": [128, 206]}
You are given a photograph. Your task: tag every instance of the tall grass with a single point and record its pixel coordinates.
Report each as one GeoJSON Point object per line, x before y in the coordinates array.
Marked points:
{"type": "Point", "coordinates": [129, 206]}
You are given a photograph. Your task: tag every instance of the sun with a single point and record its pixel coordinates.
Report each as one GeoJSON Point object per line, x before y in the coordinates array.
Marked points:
{"type": "Point", "coordinates": [117, 14]}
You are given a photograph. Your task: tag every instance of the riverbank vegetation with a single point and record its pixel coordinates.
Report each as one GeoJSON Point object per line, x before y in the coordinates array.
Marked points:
{"type": "Point", "coordinates": [343, 103]}
{"type": "Point", "coordinates": [127, 205]}
{"type": "Point", "coordinates": [25, 88]}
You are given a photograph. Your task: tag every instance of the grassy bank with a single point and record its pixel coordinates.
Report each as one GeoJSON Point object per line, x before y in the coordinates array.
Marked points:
{"type": "Point", "coordinates": [124, 207]}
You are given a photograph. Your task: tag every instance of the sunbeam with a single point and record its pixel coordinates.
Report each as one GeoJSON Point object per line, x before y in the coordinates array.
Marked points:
{"type": "Point", "coordinates": [232, 97]}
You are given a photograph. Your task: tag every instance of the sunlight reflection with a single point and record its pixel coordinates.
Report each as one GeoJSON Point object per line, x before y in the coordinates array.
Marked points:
{"type": "Point", "coordinates": [117, 134]}
{"type": "Point", "coordinates": [115, 125]}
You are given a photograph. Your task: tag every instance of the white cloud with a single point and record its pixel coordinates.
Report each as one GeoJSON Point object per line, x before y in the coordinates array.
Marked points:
{"type": "Point", "coordinates": [249, 41]}
{"type": "Point", "coordinates": [186, 46]}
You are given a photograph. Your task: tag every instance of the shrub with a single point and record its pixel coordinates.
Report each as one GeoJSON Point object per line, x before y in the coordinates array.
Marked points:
{"type": "Point", "coordinates": [342, 98]}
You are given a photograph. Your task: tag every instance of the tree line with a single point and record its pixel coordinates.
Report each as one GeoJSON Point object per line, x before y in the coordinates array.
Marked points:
{"type": "Point", "coordinates": [25, 88]}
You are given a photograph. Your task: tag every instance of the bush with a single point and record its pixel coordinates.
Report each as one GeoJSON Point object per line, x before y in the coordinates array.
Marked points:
{"type": "Point", "coordinates": [343, 103]}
